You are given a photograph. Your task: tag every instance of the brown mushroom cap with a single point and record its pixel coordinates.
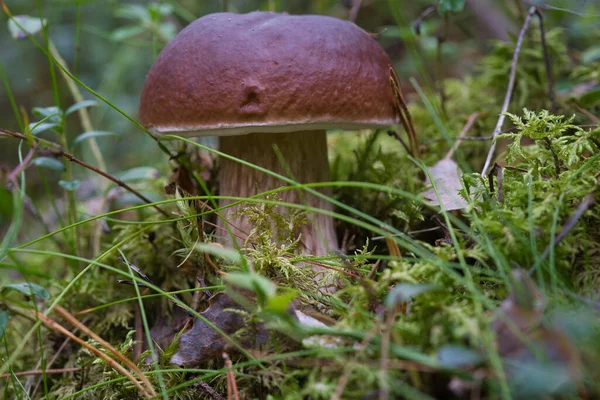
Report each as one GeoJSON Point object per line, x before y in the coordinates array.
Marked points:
{"type": "Point", "coordinates": [231, 74]}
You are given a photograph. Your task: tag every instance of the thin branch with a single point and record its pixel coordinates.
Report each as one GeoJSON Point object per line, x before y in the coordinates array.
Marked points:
{"type": "Point", "coordinates": [47, 53]}
{"type": "Point", "coordinates": [40, 372]}
{"type": "Point", "coordinates": [441, 38]}
{"type": "Point", "coordinates": [509, 91]}
{"type": "Point", "coordinates": [500, 178]}
{"type": "Point", "coordinates": [50, 323]}
{"type": "Point", "coordinates": [384, 363]}
{"type": "Point", "coordinates": [83, 111]}
{"type": "Point", "coordinates": [205, 387]}
{"type": "Point", "coordinates": [232, 387]}
{"type": "Point", "coordinates": [424, 15]}
{"type": "Point", "coordinates": [12, 177]}
{"type": "Point", "coordinates": [107, 346]}
{"type": "Point", "coordinates": [588, 114]}
{"type": "Point", "coordinates": [459, 139]}
{"type": "Point", "coordinates": [554, 155]}
{"type": "Point", "coordinates": [547, 63]}
{"type": "Point", "coordinates": [343, 381]}
{"type": "Point", "coordinates": [569, 225]}
{"type": "Point", "coordinates": [55, 148]}
{"type": "Point", "coordinates": [403, 113]}
{"type": "Point", "coordinates": [397, 136]}
{"type": "Point", "coordinates": [354, 10]}
{"type": "Point", "coordinates": [468, 125]}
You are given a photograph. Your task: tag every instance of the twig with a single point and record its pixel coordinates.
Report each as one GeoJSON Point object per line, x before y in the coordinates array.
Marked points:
{"type": "Point", "coordinates": [232, 388]}
{"type": "Point", "coordinates": [205, 387]}
{"type": "Point", "coordinates": [441, 38]}
{"type": "Point", "coordinates": [547, 61]}
{"type": "Point", "coordinates": [569, 225]}
{"type": "Point", "coordinates": [374, 269]}
{"type": "Point", "coordinates": [403, 113]}
{"type": "Point", "coordinates": [53, 360]}
{"type": "Point", "coordinates": [58, 150]}
{"type": "Point", "coordinates": [110, 361]}
{"type": "Point", "coordinates": [12, 177]}
{"type": "Point", "coordinates": [339, 390]}
{"type": "Point", "coordinates": [397, 136]}
{"type": "Point", "coordinates": [384, 387]}
{"type": "Point", "coordinates": [354, 10]}
{"type": "Point", "coordinates": [107, 346]}
{"type": "Point", "coordinates": [459, 139]}
{"type": "Point", "coordinates": [509, 91]}
{"type": "Point", "coordinates": [40, 372]}
{"type": "Point", "coordinates": [494, 23]}
{"type": "Point", "coordinates": [588, 114]}
{"type": "Point", "coordinates": [468, 125]}
{"type": "Point", "coordinates": [554, 155]}
{"type": "Point", "coordinates": [138, 346]}
{"type": "Point", "coordinates": [499, 175]}
{"type": "Point", "coordinates": [424, 15]}
{"type": "Point", "coordinates": [83, 112]}
{"type": "Point", "coordinates": [500, 178]}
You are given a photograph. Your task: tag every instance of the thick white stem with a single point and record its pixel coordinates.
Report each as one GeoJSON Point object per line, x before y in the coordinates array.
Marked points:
{"type": "Point", "coordinates": [305, 155]}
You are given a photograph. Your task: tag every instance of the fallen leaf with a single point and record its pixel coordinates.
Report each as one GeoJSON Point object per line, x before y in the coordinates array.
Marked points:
{"type": "Point", "coordinates": [530, 348]}
{"type": "Point", "coordinates": [202, 342]}
{"type": "Point", "coordinates": [325, 341]}
{"type": "Point", "coordinates": [447, 180]}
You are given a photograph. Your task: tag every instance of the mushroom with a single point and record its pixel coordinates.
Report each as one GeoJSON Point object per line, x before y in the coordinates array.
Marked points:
{"type": "Point", "coordinates": [263, 79]}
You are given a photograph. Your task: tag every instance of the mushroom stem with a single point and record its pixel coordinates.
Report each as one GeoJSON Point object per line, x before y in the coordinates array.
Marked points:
{"type": "Point", "coordinates": [305, 155]}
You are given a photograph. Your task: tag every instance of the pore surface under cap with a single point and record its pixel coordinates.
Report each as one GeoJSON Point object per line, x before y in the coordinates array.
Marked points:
{"type": "Point", "coordinates": [239, 73]}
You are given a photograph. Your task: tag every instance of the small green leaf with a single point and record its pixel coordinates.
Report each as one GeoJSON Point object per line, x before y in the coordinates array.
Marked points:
{"type": "Point", "coordinates": [138, 174]}
{"type": "Point", "coordinates": [127, 32]}
{"type": "Point", "coordinates": [48, 162]}
{"type": "Point", "coordinates": [28, 289]}
{"type": "Point", "coordinates": [134, 12]}
{"type": "Point", "coordinates": [29, 25]}
{"type": "Point", "coordinates": [263, 287]}
{"type": "Point", "coordinates": [230, 255]}
{"type": "Point", "coordinates": [406, 291]}
{"type": "Point", "coordinates": [281, 303]}
{"type": "Point", "coordinates": [81, 104]}
{"type": "Point", "coordinates": [37, 127]}
{"type": "Point", "coordinates": [94, 134]}
{"type": "Point", "coordinates": [160, 10]}
{"type": "Point", "coordinates": [457, 357]}
{"type": "Point", "coordinates": [51, 113]}
{"type": "Point", "coordinates": [3, 322]}
{"type": "Point", "coordinates": [453, 6]}
{"type": "Point", "coordinates": [70, 186]}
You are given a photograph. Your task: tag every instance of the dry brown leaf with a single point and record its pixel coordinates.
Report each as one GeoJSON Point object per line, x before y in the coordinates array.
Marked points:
{"type": "Point", "coordinates": [202, 342]}
{"type": "Point", "coordinates": [447, 179]}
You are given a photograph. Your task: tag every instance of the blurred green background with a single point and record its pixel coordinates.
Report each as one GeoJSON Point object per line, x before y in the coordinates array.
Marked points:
{"type": "Point", "coordinates": [110, 45]}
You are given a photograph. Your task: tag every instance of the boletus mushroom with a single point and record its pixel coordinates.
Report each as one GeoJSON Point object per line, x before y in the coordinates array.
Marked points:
{"type": "Point", "coordinates": [263, 79]}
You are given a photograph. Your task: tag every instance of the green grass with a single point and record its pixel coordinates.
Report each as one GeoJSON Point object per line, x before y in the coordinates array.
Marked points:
{"type": "Point", "coordinates": [420, 317]}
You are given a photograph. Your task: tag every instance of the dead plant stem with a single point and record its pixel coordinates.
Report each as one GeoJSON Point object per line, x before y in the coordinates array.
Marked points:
{"type": "Point", "coordinates": [107, 346]}
{"type": "Point", "coordinates": [50, 323]}
{"type": "Point", "coordinates": [354, 10]}
{"type": "Point", "coordinates": [40, 372]}
{"type": "Point", "coordinates": [55, 148]}
{"type": "Point", "coordinates": [509, 91]}
{"type": "Point", "coordinates": [547, 64]}
{"type": "Point", "coordinates": [468, 125]}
